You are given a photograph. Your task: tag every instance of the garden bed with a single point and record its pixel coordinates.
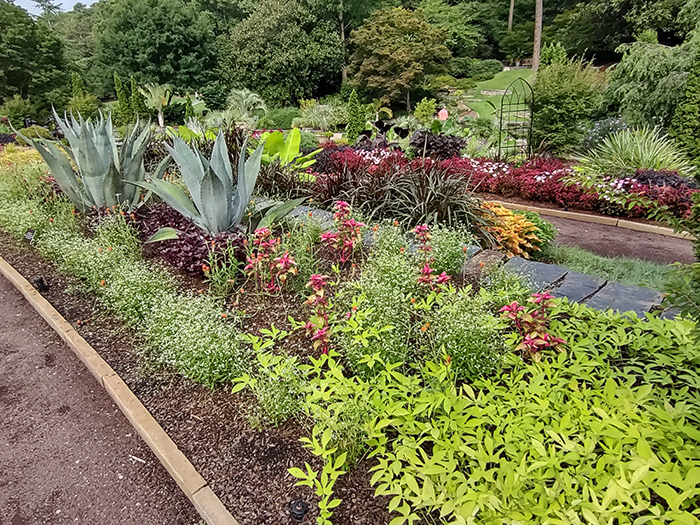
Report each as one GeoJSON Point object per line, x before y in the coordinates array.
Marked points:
{"type": "Point", "coordinates": [247, 469]}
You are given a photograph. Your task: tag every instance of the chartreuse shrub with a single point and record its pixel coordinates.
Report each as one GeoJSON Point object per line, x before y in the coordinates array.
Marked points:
{"type": "Point", "coordinates": [184, 331]}
{"type": "Point", "coordinates": [604, 432]}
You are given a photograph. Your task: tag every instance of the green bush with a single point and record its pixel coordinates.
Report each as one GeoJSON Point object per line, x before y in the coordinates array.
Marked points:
{"type": "Point", "coordinates": [464, 67]}
{"type": "Point", "coordinates": [32, 132]}
{"type": "Point", "coordinates": [436, 83]}
{"type": "Point", "coordinates": [309, 141]}
{"type": "Point", "coordinates": [85, 105]}
{"type": "Point", "coordinates": [425, 111]}
{"type": "Point", "coordinates": [566, 95]}
{"type": "Point", "coordinates": [685, 126]}
{"type": "Point", "coordinates": [551, 53]}
{"type": "Point", "coordinates": [624, 152]}
{"type": "Point", "coordinates": [279, 118]}
{"type": "Point", "coordinates": [383, 317]}
{"type": "Point", "coordinates": [357, 119]}
{"type": "Point", "coordinates": [546, 231]}
{"type": "Point", "coordinates": [16, 109]}
{"type": "Point", "coordinates": [214, 96]}
{"type": "Point", "coordinates": [463, 329]}
{"type": "Point", "coordinates": [448, 248]}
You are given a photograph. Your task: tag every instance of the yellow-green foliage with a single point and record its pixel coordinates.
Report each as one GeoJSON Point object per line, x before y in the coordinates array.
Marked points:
{"type": "Point", "coordinates": [514, 233]}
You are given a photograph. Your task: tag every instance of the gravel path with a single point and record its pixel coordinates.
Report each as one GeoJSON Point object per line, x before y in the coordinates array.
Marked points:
{"type": "Point", "coordinates": [67, 454]}
{"type": "Point", "coordinates": [612, 241]}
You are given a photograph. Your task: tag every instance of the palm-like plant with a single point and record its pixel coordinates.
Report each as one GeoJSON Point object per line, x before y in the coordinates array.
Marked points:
{"type": "Point", "coordinates": [626, 151]}
{"type": "Point", "coordinates": [158, 96]}
{"type": "Point", "coordinates": [103, 168]}
{"type": "Point", "coordinates": [246, 106]}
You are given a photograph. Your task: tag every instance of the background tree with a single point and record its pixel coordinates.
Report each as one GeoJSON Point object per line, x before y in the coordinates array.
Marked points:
{"type": "Point", "coordinates": [137, 101]}
{"type": "Point", "coordinates": [395, 50]}
{"type": "Point", "coordinates": [685, 127]}
{"type": "Point", "coordinates": [157, 41]}
{"type": "Point", "coordinates": [537, 42]}
{"type": "Point", "coordinates": [32, 64]}
{"type": "Point", "coordinates": [648, 83]}
{"type": "Point", "coordinates": [284, 52]}
{"type": "Point", "coordinates": [123, 112]}
{"type": "Point", "coordinates": [458, 20]}
{"type": "Point", "coordinates": [357, 119]}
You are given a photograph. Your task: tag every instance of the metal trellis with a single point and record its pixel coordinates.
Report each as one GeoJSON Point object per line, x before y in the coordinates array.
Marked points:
{"type": "Point", "coordinates": [515, 122]}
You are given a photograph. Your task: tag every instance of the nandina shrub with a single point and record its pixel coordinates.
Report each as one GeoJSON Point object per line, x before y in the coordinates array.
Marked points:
{"type": "Point", "coordinates": [191, 250]}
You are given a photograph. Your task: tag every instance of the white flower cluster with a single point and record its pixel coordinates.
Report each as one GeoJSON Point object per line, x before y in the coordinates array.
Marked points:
{"type": "Point", "coordinates": [375, 156]}
{"type": "Point", "coordinates": [493, 168]}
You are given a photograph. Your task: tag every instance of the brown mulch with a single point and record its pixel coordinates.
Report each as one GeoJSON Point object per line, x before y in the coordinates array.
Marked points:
{"type": "Point", "coordinates": [246, 468]}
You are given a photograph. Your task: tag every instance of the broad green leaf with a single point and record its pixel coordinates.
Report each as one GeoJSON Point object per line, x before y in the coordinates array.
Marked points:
{"type": "Point", "coordinates": [164, 234]}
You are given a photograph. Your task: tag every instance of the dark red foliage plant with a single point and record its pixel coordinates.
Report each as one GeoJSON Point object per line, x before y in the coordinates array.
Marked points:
{"type": "Point", "coordinates": [190, 251]}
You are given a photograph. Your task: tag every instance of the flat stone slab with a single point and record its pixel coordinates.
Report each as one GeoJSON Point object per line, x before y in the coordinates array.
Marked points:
{"type": "Point", "coordinates": [472, 250]}
{"type": "Point", "coordinates": [670, 313]}
{"type": "Point", "coordinates": [475, 269]}
{"type": "Point", "coordinates": [578, 286]}
{"type": "Point", "coordinates": [541, 276]}
{"type": "Point", "coordinates": [625, 298]}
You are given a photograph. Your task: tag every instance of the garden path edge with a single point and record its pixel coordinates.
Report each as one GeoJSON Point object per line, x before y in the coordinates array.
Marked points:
{"type": "Point", "coordinates": [207, 504]}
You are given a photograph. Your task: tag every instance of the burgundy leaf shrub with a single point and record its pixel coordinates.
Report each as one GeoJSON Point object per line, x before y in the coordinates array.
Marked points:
{"type": "Point", "coordinates": [190, 252]}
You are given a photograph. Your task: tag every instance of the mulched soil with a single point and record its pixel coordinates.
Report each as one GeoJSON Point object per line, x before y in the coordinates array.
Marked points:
{"type": "Point", "coordinates": [247, 469]}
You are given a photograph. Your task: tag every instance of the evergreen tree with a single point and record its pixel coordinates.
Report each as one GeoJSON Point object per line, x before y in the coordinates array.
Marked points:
{"type": "Point", "coordinates": [138, 103]}
{"type": "Point", "coordinates": [124, 112]}
{"type": "Point", "coordinates": [189, 108]}
{"type": "Point", "coordinates": [685, 126]}
{"type": "Point", "coordinates": [78, 85]}
{"type": "Point", "coordinates": [356, 118]}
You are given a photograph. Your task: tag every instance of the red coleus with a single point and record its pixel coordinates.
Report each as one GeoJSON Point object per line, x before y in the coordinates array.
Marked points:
{"type": "Point", "coordinates": [348, 235]}
{"type": "Point", "coordinates": [268, 271]}
{"type": "Point", "coordinates": [532, 325]}
{"type": "Point", "coordinates": [318, 327]}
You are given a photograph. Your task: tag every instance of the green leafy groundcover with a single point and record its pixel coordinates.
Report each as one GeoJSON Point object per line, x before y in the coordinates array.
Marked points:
{"type": "Point", "coordinates": [603, 433]}
{"type": "Point", "coordinates": [606, 432]}
{"type": "Point", "coordinates": [183, 330]}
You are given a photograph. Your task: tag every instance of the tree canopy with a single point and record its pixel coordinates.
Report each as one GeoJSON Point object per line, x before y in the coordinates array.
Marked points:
{"type": "Point", "coordinates": [284, 52]}
{"type": "Point", "coordinates": [394, 51]}
{"type": "Point", "coordinates": [32, 63]}
{"type": "Point", "coordinates": [157, 41]}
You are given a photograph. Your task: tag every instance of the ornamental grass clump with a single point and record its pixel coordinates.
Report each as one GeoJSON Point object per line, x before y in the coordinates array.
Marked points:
{"type": "Point", "coordinates": [623, 153]}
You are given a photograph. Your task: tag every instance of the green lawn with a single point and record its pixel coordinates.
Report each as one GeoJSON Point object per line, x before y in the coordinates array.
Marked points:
{"type": "Point", "coordinates": [500, 82]}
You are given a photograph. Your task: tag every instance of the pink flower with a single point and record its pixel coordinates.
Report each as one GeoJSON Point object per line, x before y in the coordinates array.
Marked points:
{"type": "Point", "coordinates": [317, 282]}
{"type": "Point", "coordinates": [442, 114]}
{"type": "Point", "coordinates": [537, 298]}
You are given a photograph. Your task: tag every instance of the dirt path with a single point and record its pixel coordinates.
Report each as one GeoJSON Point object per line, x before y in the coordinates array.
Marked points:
{"type": "Point", "coordinates": [67, 454]}
{"type": "Point", "coordinates": [612, 241]}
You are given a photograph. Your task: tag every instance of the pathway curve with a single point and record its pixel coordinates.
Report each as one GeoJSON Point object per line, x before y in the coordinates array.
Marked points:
{"type": "Point", "coordinates": [67, 454]}
{"type": "Point", "coordinates": [612, 241]}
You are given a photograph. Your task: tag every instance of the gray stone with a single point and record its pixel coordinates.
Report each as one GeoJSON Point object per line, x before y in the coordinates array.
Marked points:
{"type": "Point", "coordinates": [478, 267]}
{"type": "Point", "coordinates": [670, 313]}
{"type": "Point", "coordinates": [578, 286]}
{"type": "Point", "coordinates": [625, 298]}
{"type": "Point", "coordinates": [472, 250]}
{"type": "Point", "coordinates": [540, 275]}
